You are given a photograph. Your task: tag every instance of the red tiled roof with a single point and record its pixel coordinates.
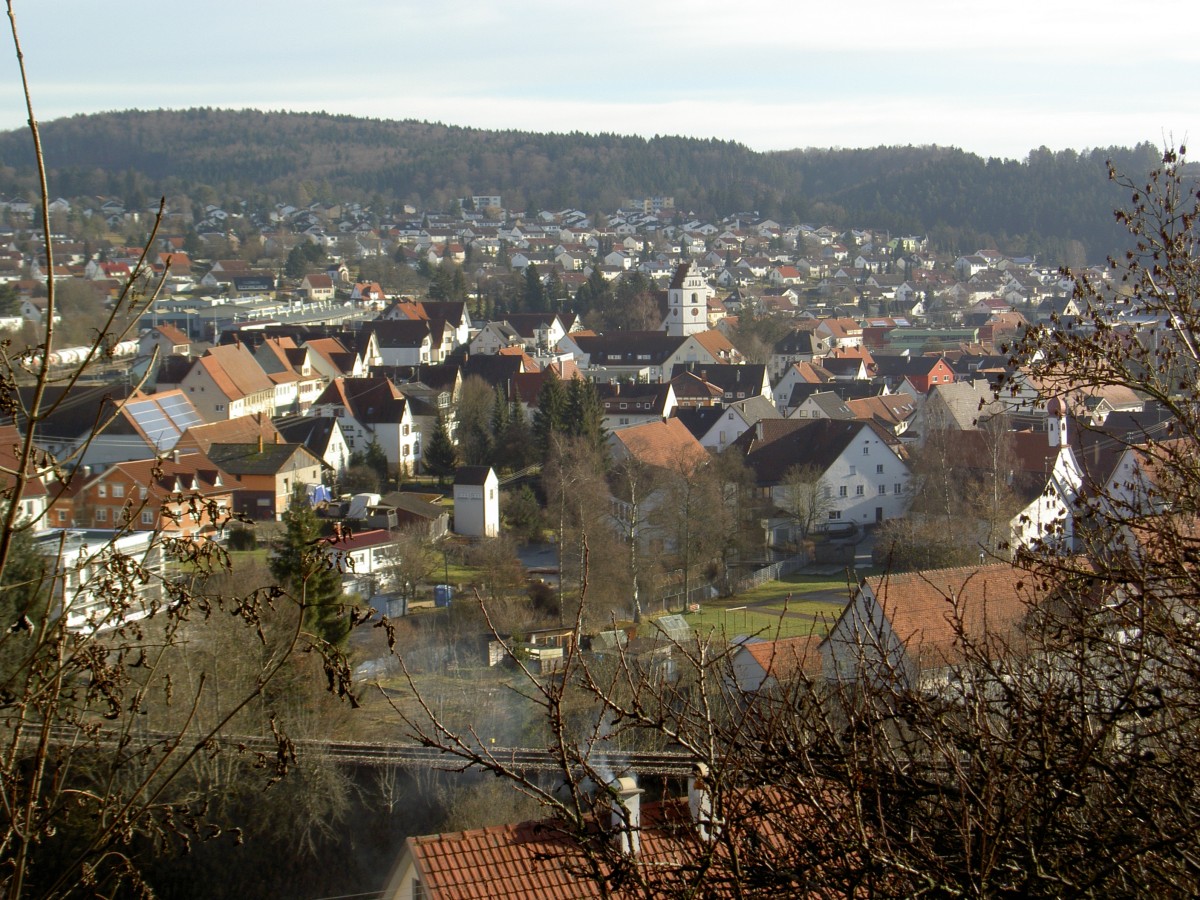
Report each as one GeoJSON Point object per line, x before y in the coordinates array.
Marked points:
{"type": "Point", "coordinates": [668, 444]}
{"type": "Point", "coordinates": [932, 611]}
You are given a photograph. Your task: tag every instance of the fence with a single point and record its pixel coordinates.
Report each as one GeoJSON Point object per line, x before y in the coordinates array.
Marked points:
{"type": "Point", "coordinates": [773, 572]}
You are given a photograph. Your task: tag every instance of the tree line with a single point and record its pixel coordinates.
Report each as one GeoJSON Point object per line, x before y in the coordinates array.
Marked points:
{"type": "Point", "coordinates": [1033, 205]}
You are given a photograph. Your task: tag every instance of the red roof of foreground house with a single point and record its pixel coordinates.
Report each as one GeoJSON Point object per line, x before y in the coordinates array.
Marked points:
{"type": "Point", "coordinates": [542, 860]}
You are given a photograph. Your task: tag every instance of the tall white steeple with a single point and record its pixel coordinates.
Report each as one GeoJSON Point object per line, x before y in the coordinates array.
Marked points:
{"type": "Point", "coordinates": [687, 303]}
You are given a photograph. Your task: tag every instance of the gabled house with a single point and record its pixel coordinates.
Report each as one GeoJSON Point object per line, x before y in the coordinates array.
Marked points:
{"type": "Point", "coordinates": [227, 382]}
{"type": "Point", "coordinates": [264, 475]}
{"type": "Point", "coordinates": [627, 405]}
{"type": "Point", "coordinates": [912, 629]}
{"type": "Point", "coordinates": [735, 382]}
{"type": "Point", "coordinates": [366, 559]}
{"type": "Point", "coordinates": [401, 342]}
{"type": "Point", "coordinates": [922, 372]}
{"type": "Point", "coordinates": [801, 345]}
{"type": "Point", "coordinates": [297, 382]}
{"type": "Point", "coordinates": [166, 340]}
{"type": "Point", "coordinates": [864, 473]}
{"type": "Point", "coordinates": [372, 408]}
{"type": "Point", "coordinates": [760, 665]}
{"type": "Point", "coordinates": [316, 287]}
{"type": "Point", "coordinates": [183, 495]}
{"type": "Point", "coordinates": [322, 436]}
{"type": "Point", "coordinates": [719, 427]}
{"type": "Point", "coordinates": [841, 332]}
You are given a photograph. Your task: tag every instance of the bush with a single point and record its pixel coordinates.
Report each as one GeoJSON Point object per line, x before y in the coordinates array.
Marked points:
{"type": "Point", "coordinates": [242, 539]}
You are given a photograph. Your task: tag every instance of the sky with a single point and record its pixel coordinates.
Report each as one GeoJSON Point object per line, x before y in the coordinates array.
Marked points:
{"type": "Point", "coordinates": [995, 79]}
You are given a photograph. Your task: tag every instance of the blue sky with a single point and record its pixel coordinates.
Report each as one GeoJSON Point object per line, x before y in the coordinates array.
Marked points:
{"type": "Point", "coordinates": [994, 79]}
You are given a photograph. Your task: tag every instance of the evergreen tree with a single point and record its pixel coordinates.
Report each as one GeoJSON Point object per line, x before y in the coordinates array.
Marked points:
{"type": "Point", "coordinates": [535, 291]}
{"type": "Point", "coordinates": [377, 460]}
{"type": "Point", "coordinates": [585, 414]}
{"type": "Point", "coordinates": [441, 459]}
{"type": "Point", "coordinates": [550, 418]}
{"type": "Point", "coordinates": [302, 566]}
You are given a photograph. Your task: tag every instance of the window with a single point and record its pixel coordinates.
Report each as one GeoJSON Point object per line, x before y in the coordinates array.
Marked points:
{"type": "Point", "coordinates": [147, 517]}
{"type": "Point", "coordinates": [882, 490]}
{"type": "Point", "coordinates": [858, 491]}
{"type": "Point", "coordinates": [118, 490]}
{"type": "Point", "coordinates": [101, 514]}
{"type": "Point", "coordinates": [853, 470]}
{"type": "Point", "coordinates": [896, 488]}
{"type": "Point", "coordinates": [879, 469]}
{"type": "Point", "coordinates": [842, 491]}
{"type": "Point", "coordinates": [866, 449]}
{"type": "Point", "coordinates": [405, 431]}
{"type": "Point", "coordinates": [102, 490]}
{"type": "Point", "coordinates": [835, 514]}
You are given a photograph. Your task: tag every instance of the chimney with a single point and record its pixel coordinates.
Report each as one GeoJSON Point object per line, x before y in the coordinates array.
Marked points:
{"type": "Point", "coordinates": [627, 814]}
{"type": "Point", "coordinates": [700, 802]}
{"type": "Point", "coordinates": [175, 456]}
{"type": "Point", "coordinates": [260, 442]}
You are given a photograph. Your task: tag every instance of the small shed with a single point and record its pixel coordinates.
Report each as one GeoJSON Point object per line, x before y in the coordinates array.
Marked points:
{"type": "Point", "coordinates": [476, 502]}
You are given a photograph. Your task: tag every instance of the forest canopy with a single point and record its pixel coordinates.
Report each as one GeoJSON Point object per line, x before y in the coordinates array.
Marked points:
{"type": "Point", "coordinates": [962, 200]}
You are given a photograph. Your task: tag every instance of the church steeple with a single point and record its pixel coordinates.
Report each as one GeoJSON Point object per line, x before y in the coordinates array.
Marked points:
{"type": "Point", "coordinates": [687, 302]}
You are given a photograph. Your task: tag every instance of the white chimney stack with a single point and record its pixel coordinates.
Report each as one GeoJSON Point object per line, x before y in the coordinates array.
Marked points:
{"type": "Point", "coordinates": [700, 802]}
{"type": "Point", "coordinates": [627, 814]}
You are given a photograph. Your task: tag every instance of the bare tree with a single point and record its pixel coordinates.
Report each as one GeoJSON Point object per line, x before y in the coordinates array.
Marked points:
{"type": "Point", "coordinates": [805, 498]}
{"type": "Point", "coordinates": [101, 737]}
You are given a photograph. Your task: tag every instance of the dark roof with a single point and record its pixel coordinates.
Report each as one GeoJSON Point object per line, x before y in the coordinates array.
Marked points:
{"type": "Point", "coordinates": [625, 347]}
{"type": "Point", "coordinates": [775, 445]}
{"type": "Point", "coordinates": [905, 366]}
{"type": "Point", "coordinates": [250, 459]}
{"type": "Point", "coordinates": [472, 474]}
{"type": "Point", "coordinates": [730, 378]}
{"type": "Point", "coordinates": [495, 370]}
{"type": "Point", "coordinates": [700, 419]}
{"type": "Point", "coordinates": [398, 332]}
{"type": "Point", "coordinates": [797, 343]}
{"type": "Point", "coordinates": [313, 432]}
{"type": "Point", "coordinates": [847, 390]}
{"type": "Point", "coordinates": [370, 400]}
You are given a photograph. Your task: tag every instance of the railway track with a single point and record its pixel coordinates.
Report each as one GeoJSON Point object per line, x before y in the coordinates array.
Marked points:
{"type": "Point", "coordinates": [405, 754]}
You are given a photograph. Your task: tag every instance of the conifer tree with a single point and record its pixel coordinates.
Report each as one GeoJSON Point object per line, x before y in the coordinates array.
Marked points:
{"type": "Point", "coordinates": [551, 415]}
{"type": "Point", "coordinates": [585, 414]}
{"type": "Point", "coordinates": [440, 457]}
{"type": "Point", "coordinates": [303, 567]}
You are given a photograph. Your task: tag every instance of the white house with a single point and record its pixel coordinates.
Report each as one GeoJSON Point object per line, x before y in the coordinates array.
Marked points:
{"type": "Point", "coordinates": [1049, 520]}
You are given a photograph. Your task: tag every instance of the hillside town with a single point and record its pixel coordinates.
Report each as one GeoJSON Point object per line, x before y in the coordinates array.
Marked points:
{"type": "Point", "coordinates": [721, 399]}
{"type": "Point", "coordinates": [253, 382]}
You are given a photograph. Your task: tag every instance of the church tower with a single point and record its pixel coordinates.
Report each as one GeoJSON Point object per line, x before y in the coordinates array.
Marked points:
{"type": "Point", "coordinates": [687, 303]}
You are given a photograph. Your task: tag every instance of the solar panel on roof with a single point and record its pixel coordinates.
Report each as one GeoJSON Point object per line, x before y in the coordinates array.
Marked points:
{"type": "Point", "coordinates": [162, 427]}
{"type": "Point", "coordinates": [181, 412]}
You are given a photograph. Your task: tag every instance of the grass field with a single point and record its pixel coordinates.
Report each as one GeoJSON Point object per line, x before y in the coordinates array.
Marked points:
{"type": "Point", "coordinates": [816, 601]}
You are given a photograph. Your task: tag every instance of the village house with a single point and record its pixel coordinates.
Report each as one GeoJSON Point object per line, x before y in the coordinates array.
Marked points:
{"type": "Point", "coordinates": [266, 475]}
{"type": "Point", "coordinates": [373, 409]}
{"type": "Point", "coordinates": [183, 495]}
{"type": "Point", "coordinates": [863, 471]}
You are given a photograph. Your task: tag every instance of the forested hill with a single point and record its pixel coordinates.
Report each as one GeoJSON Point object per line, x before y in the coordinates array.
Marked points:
{"type": "Point", "coordinates": [962, 200]}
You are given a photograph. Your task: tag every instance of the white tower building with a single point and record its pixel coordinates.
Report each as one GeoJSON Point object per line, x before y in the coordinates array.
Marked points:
{"type": "Point", "coordinates": [687, 303]}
